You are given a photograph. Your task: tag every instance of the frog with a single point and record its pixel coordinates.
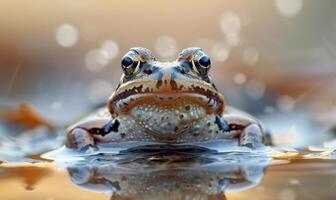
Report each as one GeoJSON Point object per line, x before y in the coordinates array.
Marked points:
{"type": "Point", "coordinates": [165, 102]}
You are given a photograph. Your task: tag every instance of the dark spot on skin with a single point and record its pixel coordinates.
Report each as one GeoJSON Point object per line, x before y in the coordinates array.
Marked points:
{"type": "Point", "coordinates": [115, 184]}
{"type": "Point", "coordinates": [138, 89]}
{"type": "Point", "coordinates": [222, 124]}
{"type": "Point", "coordinates": [176, 128]}
{"type": "Point", "coordinates": [110, 126]}
{"type": "Point", "coordinates": [173, 84]}
{"type": "Point", "coordinates": [213, 85]}
{"type": "Point", "coordinates": [95, 131]}
{"type": "Point", "coordinates": [181, 116]}
{"type": "Point", "coordinates": [115, 126]}
{"type": "Point", "coordinates": [170, 138]}
{"type": "Point", "coordinates": [209, 124]}
{"type": "Point", "coordinates": [236, 127]}
{"type": "Point", "coordinates": [162, 118]}
{"type": "Point", "coordinates": [159, 84]}
{"type": "Point", "coordinates": [182, 70]}
{"type": "Point", "coordinates": [187, 108]}
{"type": "Point", "coordinates": [123, 135]}
{"type": "Point", "coordinates": [118, 86]}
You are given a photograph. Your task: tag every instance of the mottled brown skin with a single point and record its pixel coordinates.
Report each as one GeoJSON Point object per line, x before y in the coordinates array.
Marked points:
{"type": "Point", "coordinates": [166, 102]}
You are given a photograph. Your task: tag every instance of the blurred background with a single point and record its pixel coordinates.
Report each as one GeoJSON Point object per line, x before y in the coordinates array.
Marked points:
{"type": "Point", "coordinates": [272, 58]}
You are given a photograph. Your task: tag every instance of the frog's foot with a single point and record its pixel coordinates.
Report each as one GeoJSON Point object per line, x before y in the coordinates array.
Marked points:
{"type": "Point", "coordinates": [251, 136]}
{"type": "Point", "coordinates": [80, 139]}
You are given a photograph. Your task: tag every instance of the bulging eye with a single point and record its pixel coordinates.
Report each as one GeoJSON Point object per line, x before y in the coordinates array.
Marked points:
{"type": "Point", "coordinates": [203, 65]}
{"type": "Point", "coordinates": [126, 62]}
{"type": "Point", "coordinates": [204, 61]}
{"type": "Point", "coordinates": [129, 65]}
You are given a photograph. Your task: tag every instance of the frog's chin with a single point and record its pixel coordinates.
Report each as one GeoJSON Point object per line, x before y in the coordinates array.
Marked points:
{"type": "Point", "coordinates": [177, 102]}
{"type": "Point", "coordinates": [165, 119]}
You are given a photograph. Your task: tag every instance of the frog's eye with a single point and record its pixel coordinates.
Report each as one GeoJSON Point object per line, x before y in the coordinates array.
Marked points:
{"type": "Point", "coordinates": [202, 64]}
{"type": "Point", "coordinates": [129, 65]}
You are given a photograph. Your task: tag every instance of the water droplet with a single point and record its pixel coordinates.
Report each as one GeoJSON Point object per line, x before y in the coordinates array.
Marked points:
{"type": "Point", "coordinates": [255, 89]}
{"type": "Point", "coordinates": [239, 78]}
{"type": "Point", "coordinates": [288, 8]}
{"type": "Point", "coordinates": [230, 23]}
{"type": "Point", "coordinates": [250, 56]}
{"type": "Point", "coordinates": [66, 35]}
{"type": "Point", "coordinates": [220, 52]}
{"type": "Point", "coordinates": [285, 103]}
{"type": "Point", "coordinates": [166, 47]}
{"type": "Point", "coordinates": [100, 90]}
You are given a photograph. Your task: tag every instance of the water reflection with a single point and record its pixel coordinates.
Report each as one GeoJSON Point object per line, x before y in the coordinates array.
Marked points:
{"type": "Point", "coordinates": [168, 175]}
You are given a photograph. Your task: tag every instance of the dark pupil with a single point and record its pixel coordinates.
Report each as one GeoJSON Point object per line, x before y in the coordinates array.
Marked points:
{"type": "Point", "coordinates": [204, 61]}
{"type": "Point", "coordinates": [127, 61]}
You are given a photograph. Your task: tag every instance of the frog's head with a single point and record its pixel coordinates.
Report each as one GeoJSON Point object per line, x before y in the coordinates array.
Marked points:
{"type": "Point", "coordinates": [156, 92]}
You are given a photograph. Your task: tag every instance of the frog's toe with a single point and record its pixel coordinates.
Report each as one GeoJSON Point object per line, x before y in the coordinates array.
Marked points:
{"type": "Point", "coordinates": [80, 139]}
{"type": "Point", "coordinates": [252, 137]}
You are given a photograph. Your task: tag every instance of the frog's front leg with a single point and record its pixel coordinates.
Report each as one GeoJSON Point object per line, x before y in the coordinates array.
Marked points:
{"type": "Point", "coordinates": [248, 130]}
{"type": "Point", "coordinates": [83, 136]}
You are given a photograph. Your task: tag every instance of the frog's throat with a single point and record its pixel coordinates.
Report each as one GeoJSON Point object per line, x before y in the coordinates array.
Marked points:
{"type": "Point", "coordinates": [132, 95]}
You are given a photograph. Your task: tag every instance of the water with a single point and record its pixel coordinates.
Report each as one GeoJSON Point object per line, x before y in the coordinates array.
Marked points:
{"type": "Point", "coordinates": [35, 166]}
{"type": "Point", "coordinates": [176, 173]}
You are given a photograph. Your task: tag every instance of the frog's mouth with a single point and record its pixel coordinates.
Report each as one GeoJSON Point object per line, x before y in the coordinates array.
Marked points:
{"type": "Point", "coordinates": [125, 99]}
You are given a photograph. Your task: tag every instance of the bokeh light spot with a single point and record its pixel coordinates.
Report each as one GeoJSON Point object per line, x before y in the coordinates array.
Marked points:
{"type": "Point", "coordinates": [96, 60]}
{"type": "Point", "coordinates": [288, 8]}
{"type": "Point", "coordinates": [285, 103]}
{"type": "Point", "coordinates": [110, 49]}
{"type": "Point", "coordinates": [239, 78]}
{"type": "Point", "coordinates": [220, 52]}
{"type": "Point", "coordinates": [230, 23]}
{"type": "Point", "coordinates": [66, 35]}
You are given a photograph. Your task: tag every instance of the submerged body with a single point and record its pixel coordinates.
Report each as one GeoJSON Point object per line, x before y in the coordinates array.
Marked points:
{"type": "Point", "coordinates": [166, 102]}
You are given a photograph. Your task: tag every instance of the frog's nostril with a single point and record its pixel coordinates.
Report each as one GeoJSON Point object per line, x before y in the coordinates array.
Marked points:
{"type": "Point", "coordinates": [148, 71]}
